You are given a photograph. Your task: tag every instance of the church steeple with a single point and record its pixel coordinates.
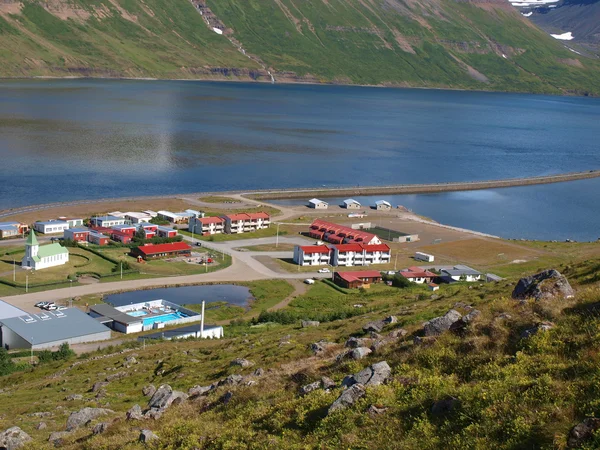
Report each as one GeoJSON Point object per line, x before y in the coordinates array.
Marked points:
{"type": "Point", "coordinates": [32, 247]}
{"type": "Point", "coordinates": [31, 239]}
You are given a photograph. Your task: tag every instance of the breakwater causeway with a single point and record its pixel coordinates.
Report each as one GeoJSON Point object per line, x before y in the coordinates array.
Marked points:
{"type": "Point", "coordinates": [420, 188]}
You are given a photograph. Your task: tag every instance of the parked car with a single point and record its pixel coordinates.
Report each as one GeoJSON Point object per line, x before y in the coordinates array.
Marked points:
{"type": "Point", "coordinates": [309, 281]}
{"type": "Point", "coordinates": [51, 307]}
{"type": "Point", "coordinates": [324, 270]}
{"type": "Point", "coordinates": [41, 304]}
{"type": "Point", "coordinates": [61, 308]}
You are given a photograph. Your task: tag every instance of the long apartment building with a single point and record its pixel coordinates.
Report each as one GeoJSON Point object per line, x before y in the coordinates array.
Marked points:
{"type": "Point", "coordinates": [342, 255]}
{"type": "Point", "coordinates": [246, 222]}
{"type": "Point", "coordinates": [207, 225]}
{"type": "Point", "coordinates": [340, 234]}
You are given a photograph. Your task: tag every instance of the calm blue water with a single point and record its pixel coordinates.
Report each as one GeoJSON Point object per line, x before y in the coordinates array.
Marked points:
{"type": "Point", "coordinates": [163, 318]}
{"type": "Point", "coordinates": [185, 295]}
{"type": "Point", "coordinates": [64, 140]}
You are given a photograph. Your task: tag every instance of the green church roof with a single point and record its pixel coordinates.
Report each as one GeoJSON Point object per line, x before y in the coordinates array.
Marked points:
{"type": "Point", "coordinates": [31, 239]}
{"type": "Point", "coordinates": [51, 250]}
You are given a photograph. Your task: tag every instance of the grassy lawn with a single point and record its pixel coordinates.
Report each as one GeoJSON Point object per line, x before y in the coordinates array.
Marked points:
{"type": "Point", "coordinates": [218, 199]}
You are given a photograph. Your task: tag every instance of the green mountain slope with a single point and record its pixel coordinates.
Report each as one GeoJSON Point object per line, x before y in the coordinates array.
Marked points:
{"type": "Point", "coordinates": [431, 43]}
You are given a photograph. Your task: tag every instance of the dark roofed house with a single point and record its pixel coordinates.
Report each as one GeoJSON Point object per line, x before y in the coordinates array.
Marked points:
{"type": "Point", "coordinates": [352, 280]}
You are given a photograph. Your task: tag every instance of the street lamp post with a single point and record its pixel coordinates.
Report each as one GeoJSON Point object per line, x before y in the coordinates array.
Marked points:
{"type": "Point", "coordinates": [26, 283]}
{"type": "Point", "coordinates": [277, 236]}
{"type": "Point", "coordinates": [14, 270]}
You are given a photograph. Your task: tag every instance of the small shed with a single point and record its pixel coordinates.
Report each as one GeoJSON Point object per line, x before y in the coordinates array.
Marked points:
{"type": "Point", "coordinates": [315, 203]}
{"type": "Point", "coordinates": [382, 205]}
{"type": "Point", "coordinates": [350, 203]}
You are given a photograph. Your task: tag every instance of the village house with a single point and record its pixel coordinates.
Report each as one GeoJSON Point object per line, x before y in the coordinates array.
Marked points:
{"type": "Point", "coordinates": [126, 229]}
{"type": "Point", "coordinates": [73, 222]}
{"type": "Point", "coordinates": [353, 280]}
{"type": "Point", "coordinates": [315, 203]}
{"type": "Point", "coordinates": [12, 229]}
{"type": "Point", "coordinates": [150, 213]}
{"type": "Point", "coordinates": [312, 255]}
{"type": "Point", "coordinates": [137, 217]}
{"type": "Point", "coordinates": [360, 254]}
{"type": "Point", "coordinates": [39, 257]}
{"type": "Point", "coordinates": [246, 222]}
{"type": "Point", "coordinates": [77, 234]}
{"type": "Point", "coordinates": [350, 203]}
{"type": "Point", "coordinates": [417, 275]}
{"type": "Point", "coordinates": [340, 234]}
{"type": "Point", "coordinates": [149, 229]}
{"type": "Point", "coordinates": [461, 273]}
{"type": "Point", "coordinates": [51, 226]}
{"type": "Point", "coordinates": [98, 238]}
{"type": "Point", "coordinates": [207, 225]}
{"type": "Point", "coordinates": [166, 232]}
{"type": "Point", "coordinates": [121, 236]}
{"type": "Point", "coordinates": [155, 251]}
{"type": "Point", "coordinates": [107, 221]}
{"type": "Point", "coordinates": [382, 205]}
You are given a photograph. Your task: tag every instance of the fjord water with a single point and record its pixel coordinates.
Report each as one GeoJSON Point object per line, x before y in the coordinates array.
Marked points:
{"type": "Point", "coordinates": [63, 140]}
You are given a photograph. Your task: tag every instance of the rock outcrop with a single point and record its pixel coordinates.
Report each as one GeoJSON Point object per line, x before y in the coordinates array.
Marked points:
{"type": "Point", "coordinates": [13, 438]}
{"type": "Point", "coordinates": [85, 416]}
{"type": "Point", "coordinates": [439, 325]}
{"type": "Point", "coordinates": [549, 284]}
{"type": "Point", "coordinates": [164, 397]}
{"type": "Point", "coordinates": [373, 375]}
{"type": "Point", "coordinates": [147, 436]}
{"type": "Point", "coordinates": [135, 413]}
{"type": "Point", "coordinates": [347, 398]}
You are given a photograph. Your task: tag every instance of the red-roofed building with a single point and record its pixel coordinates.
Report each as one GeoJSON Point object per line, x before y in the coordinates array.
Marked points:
{"type": "Point", "coordinates": [207, 225]}
{"type": "Point", "coordinates": [246, 222]}
{"type": "Point", "coordinates": [418, 275]}
{"type": "Point", "coordinates": [312, 255]}
{"type": "Point", "coordinates": [121, 236]}
{"type": "Point", "coordinates": [340, 234]}
{"type": "Point", "coordinates": [352, 280]}
{"type": "Point", "coordinates": [154, 251]}
{"type": "Point", "coordinates": [360, 254]}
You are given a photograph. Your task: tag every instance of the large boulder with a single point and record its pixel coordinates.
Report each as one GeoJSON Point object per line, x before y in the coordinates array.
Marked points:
{"type": "Point", "coordinates": [359, 353]}
{"type": "Point", "coordinates": [135, 413]}
{"type": "Point", "coordinates": [13, 438]}
{"type": "Point", "coordinates": [198, 391]}
{"type": "Point", "coordinates": [373, 375]}
{"type": "Point", "coordinates": [164, 397]}
{"type": "Point", "coordinates": [375, 326]}
{"type": "Point", "coordinates": [241, 362]}
{"type": "Point", "coordinates": [149, 390]}
{"type": "Point", "coordinates": [548, 284]}
{"type": "Point", "coordinates": [147, 436]}
{"type": "Point", "coordinates": [85, 416]}
{"type": "Point", "coordinates": [347, 398]}
{"type": "Point", "coordinates": [355, 342]}
{"type": "Point", "coordinates": [439, 325]}
{"type": "Point", "coordinates": [583, 431]}
{"type": "Point", "coordinates": [321, 347]}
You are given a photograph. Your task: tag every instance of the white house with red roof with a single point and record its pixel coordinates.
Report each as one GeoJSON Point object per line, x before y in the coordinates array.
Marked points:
{"type": "Point", "coordinates": [246, 222]}
{"type": "Point", "coordinates": [340, 234]}
{"type": "Point", "coordinates": [207, 225]}
{"type": "Point", "coordinates": [418, 275]}
{"type": "Point", "coordinates": [312, 255]}
{"type": "Point", "coordinates": [360, 254]}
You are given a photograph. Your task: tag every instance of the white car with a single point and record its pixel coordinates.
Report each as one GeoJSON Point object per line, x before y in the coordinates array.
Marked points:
{"type": "Point", "coordinates": [309, 281]}
{"type": "Point", "coordinates": [324, 270]}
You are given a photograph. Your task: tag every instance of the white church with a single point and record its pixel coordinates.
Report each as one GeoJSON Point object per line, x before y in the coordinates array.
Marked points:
{"type": "Point", "coordinates": [41, 257]}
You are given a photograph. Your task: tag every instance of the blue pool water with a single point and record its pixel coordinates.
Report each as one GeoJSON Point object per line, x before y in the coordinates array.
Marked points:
{"type": "Point", "coordinates": [137, 313]}
{"type": "Point", "coordinates": [163, 318]}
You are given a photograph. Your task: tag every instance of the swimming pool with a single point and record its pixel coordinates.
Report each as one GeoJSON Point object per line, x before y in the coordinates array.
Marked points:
{"type": "Point", "coordinates": [137, 313]}
{"type": "Point", "coordinates": [164, 318]}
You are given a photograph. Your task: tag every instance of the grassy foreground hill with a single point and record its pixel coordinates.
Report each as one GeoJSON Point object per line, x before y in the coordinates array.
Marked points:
{"type": "Point", "coordinates": [482, 386]}
{"type": "Point", "coordinates": [476, 44]}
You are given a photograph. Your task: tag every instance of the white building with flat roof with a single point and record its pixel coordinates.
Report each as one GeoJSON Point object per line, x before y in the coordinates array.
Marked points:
{"type": "Point", "coordinates": [51, 226]}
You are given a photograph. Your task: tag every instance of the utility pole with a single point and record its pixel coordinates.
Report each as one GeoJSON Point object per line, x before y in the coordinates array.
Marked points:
{"type": "Point", "coordinates": [277, 236]}
{"type": "Point", "coordinates": [121, 264]}
{"type": "Point", "coordinates": [26, 283]}
{"type": "Point", "coordinates": [14, 270]}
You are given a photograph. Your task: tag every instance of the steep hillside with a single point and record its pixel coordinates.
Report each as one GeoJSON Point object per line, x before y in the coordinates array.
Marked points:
{"type": "Point", "coordinates": [509, 374]}
{"type": "Point", "coordinates": [475, 44]}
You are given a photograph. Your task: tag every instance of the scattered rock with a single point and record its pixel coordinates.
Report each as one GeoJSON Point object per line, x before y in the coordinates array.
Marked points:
{"type": "Point", "coordinates": [84, 416]}
{"type": "Point", "coordinates": [327, 383]}
{"type": "Point", "coordinates": [583, 431]}
{"type": "Point", "coordinates": [375, 326]}
{"type": "Point", "coordinates": [154, 414]}
{"type": "Point", "coordinates": [135, 413]}
{"type": "Point", "coordinates": [390, 319]}
{"type": "Point", "coordinates": [320, 347]}
{"type": "Point", "coordinates": [426, 340]}
{"type": "Point", "coordinates": [548, 284]}
{"type": "Point", "coordinates": [147, 436]}
{"type": "Point", "coordinates": [41, 426]}
{"type": "Point", "coordinates": [226, 397]}
{"type": "Point", "coordinates": [471, 315]}
{"type": "Point", "coordinates": [149, 390]}
{"type": "Point", "coordinates": [373, 375]}
{"type": "Point", "coordinates": [116, 376]}
{"type": "Point", "coordinates": [56, 437]}
{"type": "Point", "coordinates": [544, 326]}
{"type": "Point", "coordinates": [359, 353]}
{"type": "Point", "coordinates": [231, 380]}
{"type": "Point", "coordinates": [445, 406]}
{"type": "Point", "coordinates": [198, 391]}
{"type": "Point", "coordinates": [259, 372]}
{"type": "Point", "coordinates": [504, 316]}
{"type": "Point", "coordinates": [310, 387]}
{"type": "Point", "coordinates": [40, 414]}
{"type": "Point", "coordinates": [99, 385]}
{"type": "Point", "coordinates": [13, 438]}
{"type": "Point", "coordinates": [355, 342]}
{"type": "Point", "coordinates": [310, 323]}
{"type": "Point", "coordinates": [347, 398]}
{"type": "Point", "coordinates": [129, 361]}
{"type": "Point", "coordinates": [100, 428]}
{"type": "Point", "coordinates": [241, 362]}
{"type": "Point", "coordinates": [441, 324]}
{"type": "Point", "coordinates": [72, 397]}
{"type": "Point", "coordinates": [398, 333]}
{"type": "Point", "coordinates": [374, 410]}
{"type": "Point", "coordinates": [164, 397]}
